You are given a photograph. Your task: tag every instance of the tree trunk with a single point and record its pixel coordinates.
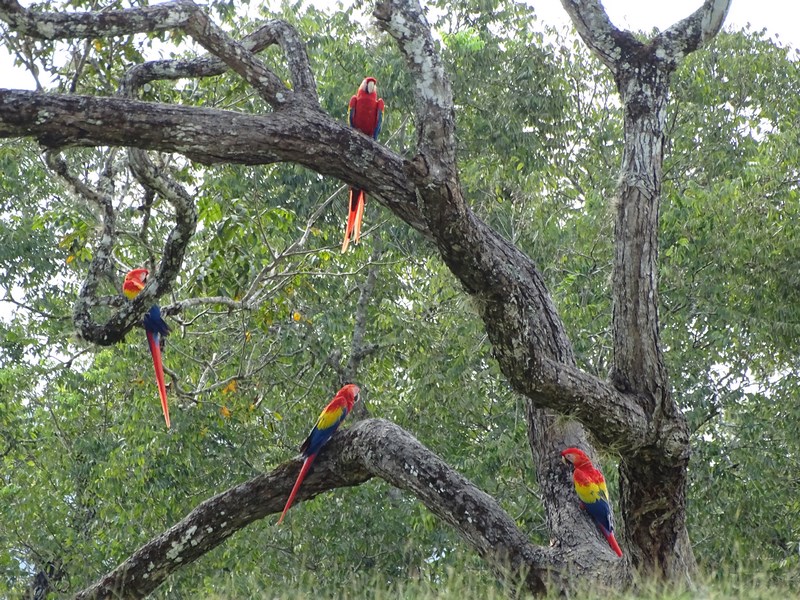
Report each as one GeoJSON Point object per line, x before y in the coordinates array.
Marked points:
{"type": "Point", "coordinates": [653, 484]}
{"type": "Point", "coordinates": [653, 476]}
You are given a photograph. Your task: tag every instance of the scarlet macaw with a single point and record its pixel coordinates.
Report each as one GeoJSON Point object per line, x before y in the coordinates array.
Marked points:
{"type": "Point", "coordinates": [155, 327]}
{"type": "Point", "coordinates": [328, 422]}
{"type": "Point", "coordinates": [365, 113]}
{"type": "Point", "coordinates": [593, 493]}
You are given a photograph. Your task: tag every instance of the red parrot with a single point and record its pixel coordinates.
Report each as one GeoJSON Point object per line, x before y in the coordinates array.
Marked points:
{"type": "Point", "coordinates": [593, 493]}
{"type": "Point", "coordinates": [328, 422]}
{"type": "Point", "coordinates": [365, 113]}
{"type": "Point", "coordinates": [155, 327]}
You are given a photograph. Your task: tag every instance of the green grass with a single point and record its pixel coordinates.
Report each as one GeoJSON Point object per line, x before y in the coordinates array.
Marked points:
{"type": "Point", "coordinates": [476, 586]}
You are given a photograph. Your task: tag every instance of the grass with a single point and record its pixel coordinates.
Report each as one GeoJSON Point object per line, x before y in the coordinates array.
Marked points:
{"type": "Point", "coordinates": [476, 586]}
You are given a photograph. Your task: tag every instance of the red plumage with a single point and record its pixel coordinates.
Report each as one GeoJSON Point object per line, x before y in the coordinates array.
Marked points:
{"type": "Point", "coordinates": [365, 113]}
{"type": "Point", "coordinates": [612, 541]}
{"type": "Point", "coordinates": [303, 472]}
{"type": "Point", "coordinates": [365, 108]}
{"type": "Point", "coordinates": [155, 350]}
{"type": "Point", "coordinates": [355, 213]}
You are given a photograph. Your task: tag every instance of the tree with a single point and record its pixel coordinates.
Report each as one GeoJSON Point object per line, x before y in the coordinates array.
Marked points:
{"type": "Point", "coordinates": [632, 412]}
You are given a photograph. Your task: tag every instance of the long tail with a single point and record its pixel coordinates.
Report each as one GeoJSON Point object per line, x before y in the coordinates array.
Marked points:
{"type": "Point", "coordinates": [362, 200]}
{"type": "Point", "coordinates": [354, 216]}
{"type": "Point", "coordinates": [155, 350]}
{"type": "Point", "coordinates": [303, 471]}
{"type": "Point", "coordinates": [612, 541]}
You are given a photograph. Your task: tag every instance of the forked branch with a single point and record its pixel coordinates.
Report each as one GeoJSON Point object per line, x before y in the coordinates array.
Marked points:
{"type": "Point", "coordinates": [616, 47]}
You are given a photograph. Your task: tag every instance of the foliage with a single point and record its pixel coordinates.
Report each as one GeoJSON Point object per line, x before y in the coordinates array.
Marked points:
{"type": "Point", "coordinates": [730, 295]}
{"type": "Point", "coordinates": [88, 471]}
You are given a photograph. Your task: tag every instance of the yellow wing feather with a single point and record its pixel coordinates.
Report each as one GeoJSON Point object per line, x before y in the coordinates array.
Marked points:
{"type": "Point", "coordinates": [592, 492]}
{"type": "Point", "coordinates": [329, 417]}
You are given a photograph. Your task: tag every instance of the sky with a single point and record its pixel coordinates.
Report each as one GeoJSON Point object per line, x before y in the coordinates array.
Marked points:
{"type": "Point", "coordinates": [779, 17]}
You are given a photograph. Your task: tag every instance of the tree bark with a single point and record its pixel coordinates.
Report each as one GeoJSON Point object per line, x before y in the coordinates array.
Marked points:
{"type": "Point", "coordinates": [655, 475]}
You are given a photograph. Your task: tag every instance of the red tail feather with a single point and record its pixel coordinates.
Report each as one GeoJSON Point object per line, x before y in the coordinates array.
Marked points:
{"type": "Point", "coordinates": [362, 198]}
{"type": "Point", "coordinates": [303, 471]}
{"type": "Point", "coordinates": [356, 212]}
{"type": "Point", "coordinates": [155, 350]}
{"type": "Point", "coordinates": [612, 541]}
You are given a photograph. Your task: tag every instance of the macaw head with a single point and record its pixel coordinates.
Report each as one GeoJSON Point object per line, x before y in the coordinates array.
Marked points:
{"type": "Point", "coordinates": [575, 457]}
{"type": "Point", "coordinates": [369, 85]}
{"type": "Point", "coordinates": [351, 393]}
{"type": "Point", "coordinates": [134, 282]}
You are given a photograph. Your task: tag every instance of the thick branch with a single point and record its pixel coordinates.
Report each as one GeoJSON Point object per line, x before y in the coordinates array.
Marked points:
{"type": "Point", "coordinates": [614, 46]}
{"type": "Point", "coordinates": [405, 21]}
{"type": "Point", "coordinates": [369, 448]}
{"type": "Point", "coordinates": [618, 420]}
{"type": "Point", "coordinates": [598, 33]}
{"type": "Point", "coordinates": [688, 35]}
{"type": "Point", "coordinates": [185, 216]}
{"type": "Point", "coordinates": [214, 39]}
{"type": "Point", "coordinates": [476, 515]}
{"type": "Point", "coordinates": [63, 25]}
{"type": "Point", "coordinates": [297, 134]}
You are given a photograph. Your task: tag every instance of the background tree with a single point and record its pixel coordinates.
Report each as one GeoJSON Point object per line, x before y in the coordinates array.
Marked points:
{"type": "Point", "coordinates": [263, 301]}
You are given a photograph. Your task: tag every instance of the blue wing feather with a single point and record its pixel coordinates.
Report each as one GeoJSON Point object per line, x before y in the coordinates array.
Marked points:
{"type": "Point", "coordinates": [320, 436]}
{"type": "Point", "coordinates": [601, 513]}
{"type": "Point", "coordinates": [378, 125]}
{"type": "Point", "coordinates": [154, 322]}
